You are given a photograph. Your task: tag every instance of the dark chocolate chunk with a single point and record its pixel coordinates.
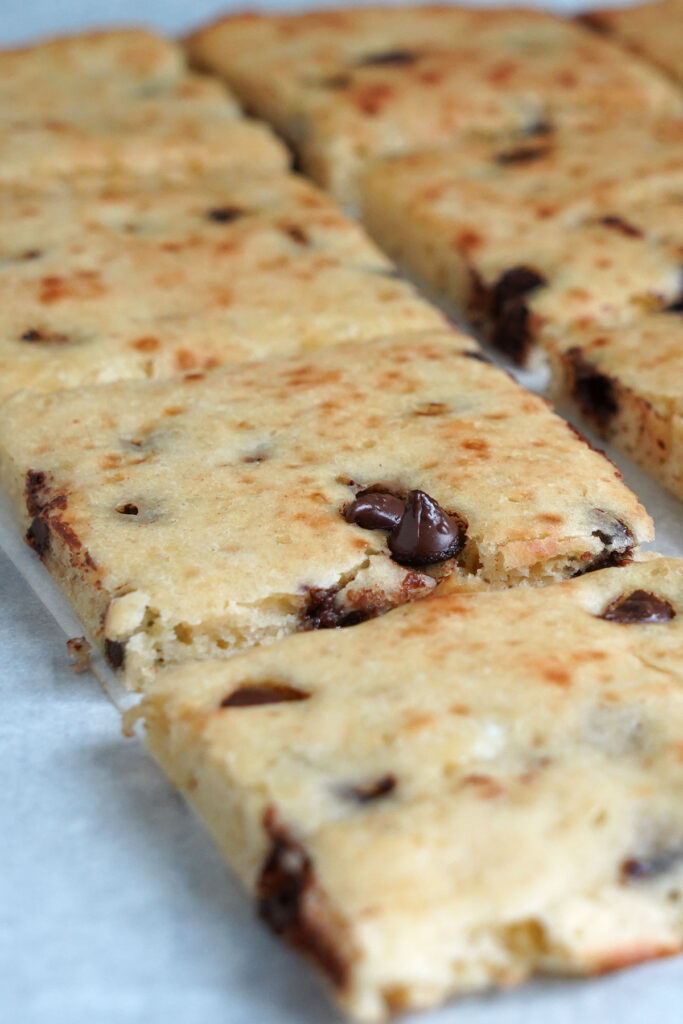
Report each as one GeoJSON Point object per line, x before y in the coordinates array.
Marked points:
{"type": "Point", "coordinates": [252, 694]}
{"type": "Point", "coordinates": [638, 869]}
{"type": "Point", "coordinates": [285, 883]}
{"type": "Point", "coordinates": [426, 533]}
{"type": "Point", "coordinates": [225, 214]}
{"type": "Point", "coordinates": [32, 335]}
{"type": "Point", "coordinates": [520, 155]}
{"type": "Point", "coordinates": [38, 535]}
{"type": "Point", "coordinates": [115, 652]}
{"type": "Point", "coordinates": [368, 791]}
{"type": "Point", "coordinates": [390, 58]}
{"type": "Point", "coordinates": [376, 511]}
{"type": "Point", "coordinates": [36, 481]}
{"type": "Point", "coordinates": [638, 606]}
{"type": "Point", "coordinates": [321, 611]}
{"type": "Point", "coordinates": [593, 390]}
{"type": "Point", "coordinates": [510, 312]}
{"type": "Point", "coordinates": [618, 542]}
{"type": "Point", "coordinates": [622, 226]}
{"type": "Point", "coordinates": [129, 509]}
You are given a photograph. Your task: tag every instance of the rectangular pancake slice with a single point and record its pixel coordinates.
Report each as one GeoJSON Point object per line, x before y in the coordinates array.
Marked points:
{"type": "Point", "coordinates": [148, 283]}
{"type": "Point", "coordinates": [82, 110]}
{"type": "Point", "coordinates": [188, 518]}
{"type": "Point", "coordinates": [654, 30]}
{"type": "Point", "coordinates": [628, 383]}
{"type": "Point", "coordinates": [468, 790]}
{"type": "Point", "coordinates": [344, 87]}
{"type": "Point", "coordinates": [539, 239]}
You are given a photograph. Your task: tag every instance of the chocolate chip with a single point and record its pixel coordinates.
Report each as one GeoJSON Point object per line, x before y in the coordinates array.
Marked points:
{"type": "Point", "coordinates": [390, 58]}
{"type": "Point", "coordinates": [49, 337]}
{"type": "Point", "coordinates": [321, 611]}
{"type": "Point", "coordinates": [38, 536]}
{"type": "Point", "coordinates": [638, 606]}
{"type": "Point", "coordinates": [511, 333]}
{"type": "Point", "coordinates": [539, 127]}
{"type": "Point", "coordinates": [285, 883]}
{"type": "Point", "coordinates": [366, 792]}
{"type": "Point", "coordinates": [225, 214]}
{"type": "Point", "coordinates": [31, 254]}
{"type": "Point", "coordinates": [520, 155]}
{"type": "Point", "coordinates": [643, 868]}
{"type": "Point", "coordinates": [426, 533]}
{"type": "Point", "coordinates": [618, 541]}
{"type": "Point", "coordinates": [622, 226]}
{"type": "Point", "coordinates": [129, 509]}
{"type": "Point", "coordinates": [253, 694]}
{"type": "Point", "coordinates": [115, 652]}
{"type": "Point", "coordinates": [34, 489]}
{"type": "Point", "coordinates": [297, 234]}
{"type": "Point", "coordinates": [593, 391]}
{"type": "Point", "coordinates": [376, 511]}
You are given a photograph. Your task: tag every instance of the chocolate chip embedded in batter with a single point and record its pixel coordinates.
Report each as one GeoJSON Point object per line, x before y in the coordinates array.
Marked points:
{"type": "Point", "coordinates": [520, 155]}
{"type": "Point", "coordinates": [376, 511]}
{"type": "Point", "coordinates": [390, 58]}
{"type": "Point", "coordinates": [643, 868]}
{"type": "Point", "coordinates": [35, 336]}
{"type": "Point", "coordinates": [115, 652]}
{"type": "Point", "coordinates": [38, 536]}
{"type": "Point", "coordinates": [225, 214]}
{"type": "Point", "coordinates": [593, 390]}
{"type": "Point", "coordinates": [284, 889]}
{"type": "Point", "coordinates": [621, 225]}
{"type": "Point", "coordinates": [322, 612]}
{"type": "Point", "coordinates": [426, 533]}
{"type": "Point", "coordinates": [129, 509]}
{"type": "Point", "coordinates": [253, 694]}
{"type": "Point", "coordinates": [511, 333]}
{"type": "Point", "coordinates": [366, 792]}
{"type": "Point", "coordinates": [639, 606]}
{"type": "Point", "coordinates": [297, 234]}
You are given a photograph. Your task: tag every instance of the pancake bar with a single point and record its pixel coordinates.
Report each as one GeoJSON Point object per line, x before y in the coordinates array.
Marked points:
{"type": "Point", "coordinates": [469, 790]}
{"type": "Point", "coordinates": [83, 111]}
{"type": "Point", "coordinates": [188, 518]}
{"type": "Point", "coordinates": [344, 87]}
{"type": "Point", "coordinates": [149, 283]}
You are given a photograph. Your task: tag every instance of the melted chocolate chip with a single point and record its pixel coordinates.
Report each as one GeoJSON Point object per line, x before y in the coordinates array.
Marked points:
{"type": "Point", "coordinates": [390, 58]}
{"type": "Point", "coordinates": [520, 155]}
{"type": "Point", "coordinates": [639, 606]}
{"type": "Point", "coordinates": [50, 337]}
{"type": "Point", "coordinates": [366, 792]}
{"type": "Point", "coordinates": [511, 333]}
{"type": "Point", "coordinates": [622, 226]}
{"type": "Point", "coordinates": [593, 391]}
{"type": "Point", "coordinates": [129, 509]}
{"type": "Point", "coordinates": [225, 214]}
{"type": "Point", "coordinates": [38, 536]}
{"type": "Point", "coordinates": [115, 653]}
{"type": "Point", "coordinates": [285, 882]}
{"type": "Point", "coordinates": [34, 489]}
{"type": "Point", "coordinates": [32, 335]}
{"type": "Point", "coordinates": [376, 511]}
{"type": "Point", "coordinates": [253, 694]}
{"type": "Point", "coordinates": [643, 868]}
{"type": "Point", "coordinates": [426, 533]}
{"type": "Point", "coordinates": [322, 612]}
